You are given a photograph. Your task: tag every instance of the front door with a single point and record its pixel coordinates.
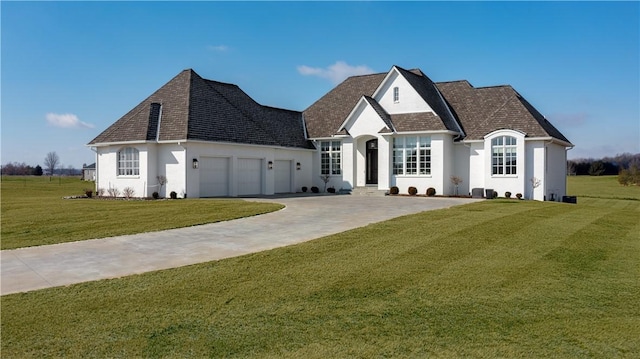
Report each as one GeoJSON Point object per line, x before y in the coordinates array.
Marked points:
{"type": "Point", "coordinates": [372, 162]}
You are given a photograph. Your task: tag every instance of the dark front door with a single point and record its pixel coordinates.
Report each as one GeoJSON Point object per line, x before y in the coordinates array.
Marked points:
{"type": "Point", "coordinates": [372, 162]}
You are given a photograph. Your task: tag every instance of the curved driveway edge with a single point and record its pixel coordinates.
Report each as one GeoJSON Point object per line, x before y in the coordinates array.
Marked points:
{"type": "Point", "coordinates": [303, 219]}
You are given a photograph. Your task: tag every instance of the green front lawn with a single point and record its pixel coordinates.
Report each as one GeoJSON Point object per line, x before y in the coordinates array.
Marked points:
{"type": "Point", "coordinates": [35, 213]}
{"type": "Point", "coordinates": [498, 278]}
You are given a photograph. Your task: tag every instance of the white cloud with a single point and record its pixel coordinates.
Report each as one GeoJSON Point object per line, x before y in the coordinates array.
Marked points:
{"type": "Point", "coordinates": [218, 48]}
{"type": "Point", "coordinates": [66, 120]}
{"type": "Point", "coordinates": [337, 72]}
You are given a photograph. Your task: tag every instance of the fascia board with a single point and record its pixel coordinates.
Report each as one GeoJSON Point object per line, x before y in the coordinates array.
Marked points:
{"type": "Point", "coordinates": [104, 144]}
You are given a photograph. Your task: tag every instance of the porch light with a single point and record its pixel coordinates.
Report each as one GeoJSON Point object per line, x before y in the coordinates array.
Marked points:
{"type": "Point", "coordinates": [270, 165]}
{"type": "Point", "coordinates": [195, 163]}
{"type": "Point", "coordinates": [298, 166]}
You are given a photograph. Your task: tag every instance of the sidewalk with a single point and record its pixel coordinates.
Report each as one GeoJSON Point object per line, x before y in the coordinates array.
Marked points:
{"type": "Point", "coordinates": [303, 219]}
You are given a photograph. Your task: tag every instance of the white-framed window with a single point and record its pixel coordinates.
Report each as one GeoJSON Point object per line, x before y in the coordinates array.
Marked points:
{"type": "Point", "coordinates": [128, 162]}
{"type": "Point", "coordinates": [396, 94]}
{"type": "Point", "coordinates": [504, 155]}
{"type": "Point", "coordinates": [330, 157]}
{"type": "Point", "coordinates": [412, 155]}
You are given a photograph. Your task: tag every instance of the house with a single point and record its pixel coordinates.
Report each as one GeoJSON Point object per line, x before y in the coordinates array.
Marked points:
{"type": "Point", "coordinates": [89, 172]}
{"type": "Point", "coordinates": [397, 128]}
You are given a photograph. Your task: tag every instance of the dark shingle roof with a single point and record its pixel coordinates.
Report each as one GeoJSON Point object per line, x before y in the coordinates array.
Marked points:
{"type": "Point", "coordinates": [444, 120]}
{"type": "Point", "coordinates": [324, 117]}
{"type": "Point", "coordinates": [197, 109]}
{"type": "Point", "coordinates": [486, 109]}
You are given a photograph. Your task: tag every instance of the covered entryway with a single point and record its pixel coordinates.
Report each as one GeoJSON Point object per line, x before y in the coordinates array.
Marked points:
{"type": "Point", "coordinates": [214, 176]}
{"type": "Point", "coordinates": [249, 176]}
{"type": "Point", "coordinates": [372, 162]}
{"type": "Point", "coordinates": [282, 174]}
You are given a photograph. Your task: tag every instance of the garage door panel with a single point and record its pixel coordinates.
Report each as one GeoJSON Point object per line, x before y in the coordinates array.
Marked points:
{"type": "Point", "coordinates": [214, 176]}
{"type": "Point", "coordinates": [249, 176]}
{"type": "Point", "coordinates": [282, 176]}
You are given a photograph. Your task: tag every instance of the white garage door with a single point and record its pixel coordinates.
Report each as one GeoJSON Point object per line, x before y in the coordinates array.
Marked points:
{"type": "Point", "coordinates": [283, 176]}
{"type": "Point", "coordinates": [214, 176]}
{"type": "Point", "coordinates": [249, 176]}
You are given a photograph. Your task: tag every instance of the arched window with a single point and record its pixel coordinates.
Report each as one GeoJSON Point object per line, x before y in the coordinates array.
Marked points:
{"type": "Point", "coordinates": [128, 162]}
{"type": "Point", "coordinates": [503, 155]}
{"type": "Point", "coordinates": [396, 94]}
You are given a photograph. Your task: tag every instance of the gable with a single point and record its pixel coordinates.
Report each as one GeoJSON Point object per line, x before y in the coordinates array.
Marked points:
{"type": "Point", "coordinates": [409, 100]}
{"type": "Point", "coordinates": [423, 108]}
{"type": "Point", "coordinates": [366, 119]}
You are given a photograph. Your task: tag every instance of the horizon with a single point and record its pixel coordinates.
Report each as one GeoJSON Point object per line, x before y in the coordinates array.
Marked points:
{"type": "Point", "coordinates": [70, 70]}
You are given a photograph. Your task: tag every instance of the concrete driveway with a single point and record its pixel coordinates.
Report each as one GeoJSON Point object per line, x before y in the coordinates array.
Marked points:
{"type": "Point", "coordinates": [303, 219]}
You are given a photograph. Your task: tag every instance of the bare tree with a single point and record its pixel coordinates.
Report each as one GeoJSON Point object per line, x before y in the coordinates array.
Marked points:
{"type": "Point", "coordinates": [535, 183]}
{"type": "Point", "coordinates": [51, 162]}
{"type": "Point", "coordinates": [162, 180]}
{"type": "Point", "coordinates": [456, 182]}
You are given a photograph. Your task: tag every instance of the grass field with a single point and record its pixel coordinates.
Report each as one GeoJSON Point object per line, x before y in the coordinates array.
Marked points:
{"type": "Point", "coordinates": [600, 187]}
{"type": "Point", "coordinates": [35, 213]}
{"type": "Point", "coordinates": [497, 278]}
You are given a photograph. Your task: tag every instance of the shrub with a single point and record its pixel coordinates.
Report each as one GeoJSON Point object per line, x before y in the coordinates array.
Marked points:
{"type": "Point", "coordinates": [304, 189]}
{"type": "Point", "coordinates": [331, 190]}
{"type": "Point", "coordinates": [495, 194]}
{"type": "Point", "coordinates": [113, 192]}
{"type": "Point", "coordinates": [128, 192]}
{"type": "Point", "coordinates": [315, 189]}
{"type": "Point", "coordinates": [155, 195]}
{"type": "Point", "coordinates": [88, 193]}
{"type": "Point", "coordinates": [100, 192]}
{"type": "Point", "coordinates": [507, 194]}
{"type": "Point", "coordinates": [413, 191]}
{"type": "Point", "coordinates": [431, 191]}
{"type": "Point", "coordinates": [519, 195]}
{"type": "Point", "coordinates": [173, 195]}
{"type": "Point", "coordinates": [394, 190]}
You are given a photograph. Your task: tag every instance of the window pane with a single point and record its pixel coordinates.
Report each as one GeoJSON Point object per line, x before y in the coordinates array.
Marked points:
{"type": "Point", "coordinates": [425, 162]}
{"type": "Point", "coordinates": [412, 161]}
{"type": "Point", "coordinates": [335, 163]}
{"type": "Point", "coordinates": [425, 142]}
{"type": "Point", "coordinates": [398, 156]}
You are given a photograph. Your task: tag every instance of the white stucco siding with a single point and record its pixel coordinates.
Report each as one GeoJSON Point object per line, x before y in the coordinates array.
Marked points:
{"type": "Point", "coordinates": [171, 164]}
{"type": "Point", "coordinates": [477, 167]}
{"type": "Point", "coordinates": [448, 163]}
{"type": "Point", "coordinates": [409, 100]}
{"type": "Point", "coordinates": [384, 162]}
{"type": "Point", "coordinates": [107, 173]}
{"type": "Point", "coordinates": [556, 172]}
{"type": "Point", "coordinates": [364, 121]}
{"type": "Point", "coordinates": [535, 169]}
{"type": "Point", "coordinates": [349, 157]}
{"type": "Point", "coordinates": [461, 168]}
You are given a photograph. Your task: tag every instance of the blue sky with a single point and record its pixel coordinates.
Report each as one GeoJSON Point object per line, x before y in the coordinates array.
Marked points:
{"type": "Point", "coordinates": [70, 69]}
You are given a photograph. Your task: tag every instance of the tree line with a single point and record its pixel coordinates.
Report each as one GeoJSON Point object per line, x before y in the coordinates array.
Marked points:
{"type": "Point", "coordinates": [603, 166]}
{"type": "Point", "coordinates": [52, 167]}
